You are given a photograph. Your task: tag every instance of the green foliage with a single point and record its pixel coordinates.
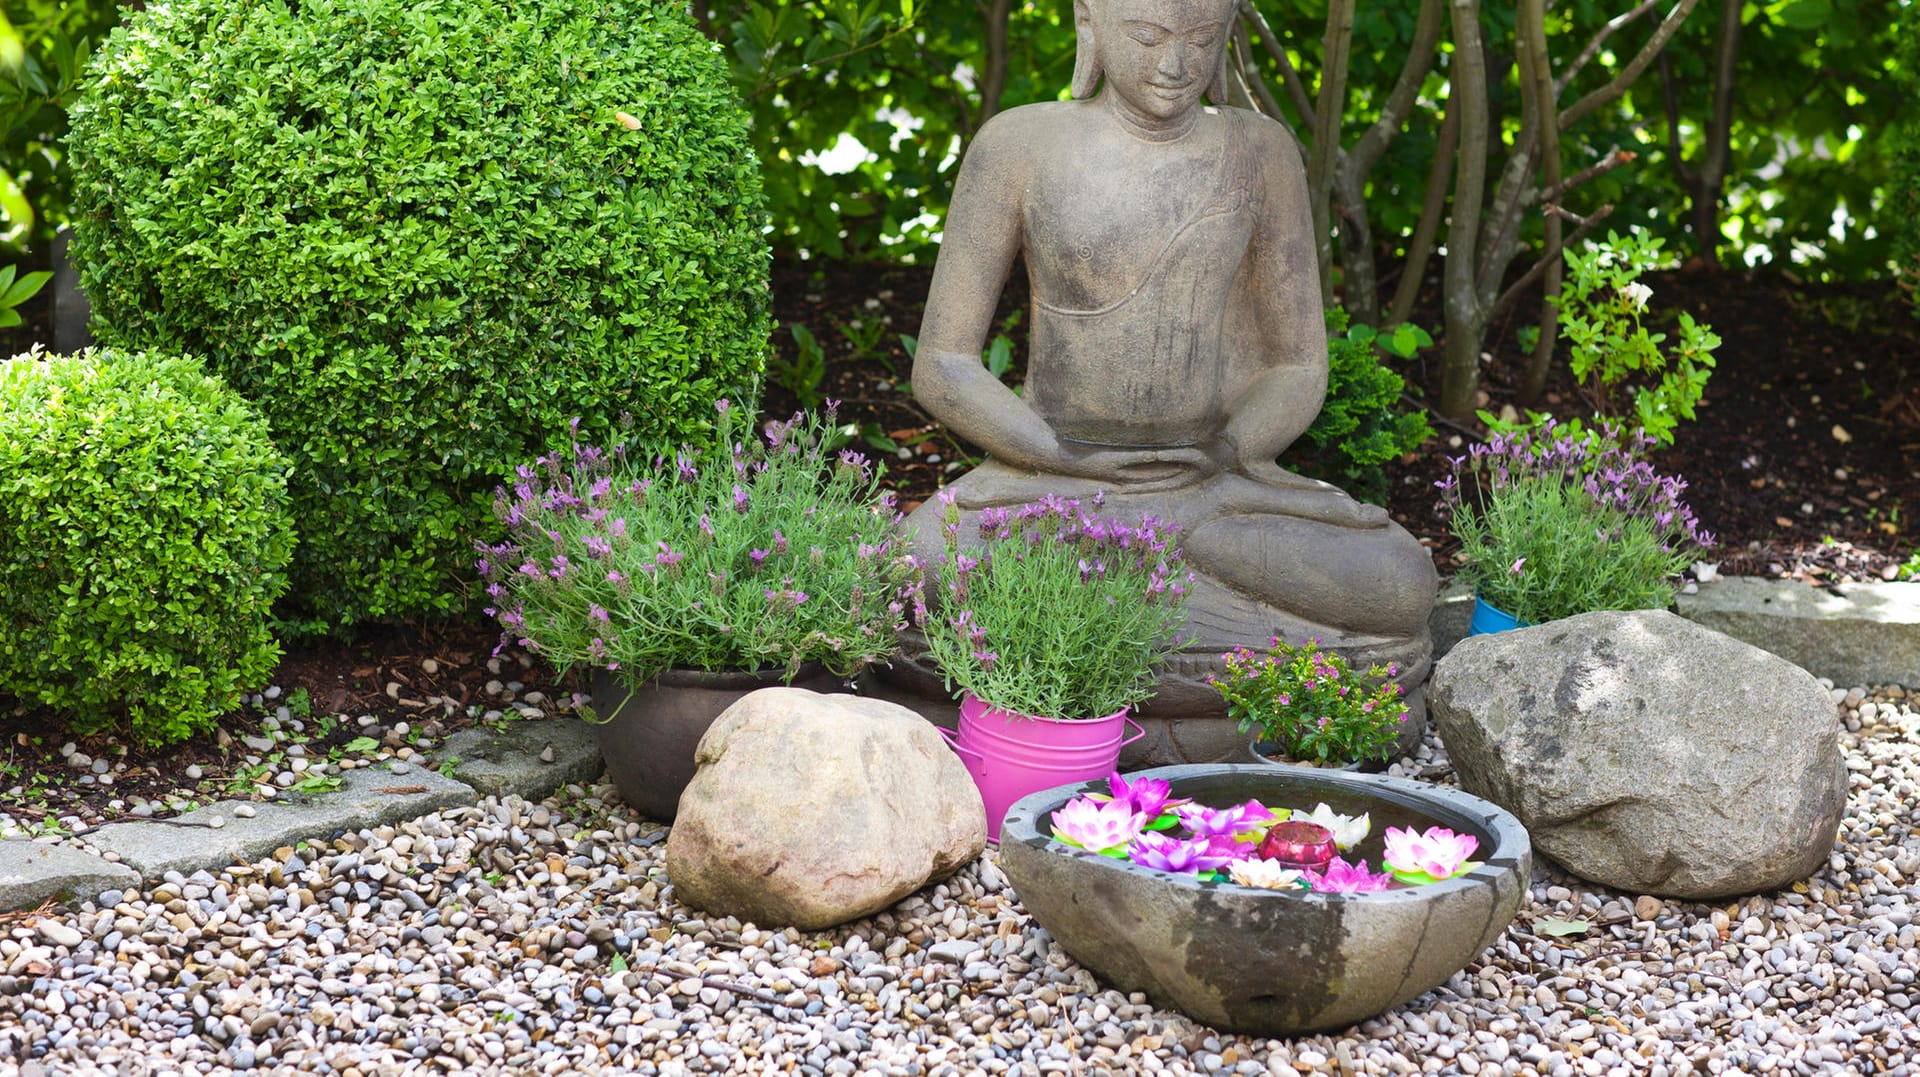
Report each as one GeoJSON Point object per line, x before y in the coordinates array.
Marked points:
{"type": "Point", "coordinates": [1309, 704]}
{"type": "Point", "coordinates": [1057, 613]}
{"type": "Point", "coordinates": [1902, 214]}
{"type": "Point", "coordinates": [1600, 314]}
{"type": "Point", "coordinates": [43, 49]}
{"type": "Point", "coordinates": [422, 235]}
{"type": "Point", "coordinates": [143, 534]}
{"type": "Point", "coordinates": [15, 292]}
{"type": "Point", "coordinates": [803, 374]}
{"type": "Point", "coordinates": [774, 557]}
{"type": "Point", "coordinates": [903, 79]}
{"type": "Point", "coordinates": [1361, 425]}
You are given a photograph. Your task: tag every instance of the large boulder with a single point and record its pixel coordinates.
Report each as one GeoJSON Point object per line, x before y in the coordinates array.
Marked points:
{"type": "Point", "coordinates": [1647, 753]}
{"type": "Point", "coordinates": [810, 810]}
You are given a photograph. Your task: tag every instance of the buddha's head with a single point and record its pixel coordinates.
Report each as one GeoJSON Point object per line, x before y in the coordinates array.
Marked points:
{"type": "Point", "coordinates": [1159, 56]}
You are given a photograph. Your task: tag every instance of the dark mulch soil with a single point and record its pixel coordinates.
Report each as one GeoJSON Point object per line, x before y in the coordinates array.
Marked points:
{"type": "Point", "coordinates": [1803, 460]}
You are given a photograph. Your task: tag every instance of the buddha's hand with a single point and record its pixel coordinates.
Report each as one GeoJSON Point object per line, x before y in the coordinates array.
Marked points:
{"type": "Point", "coordinates": [1313, 499]}
{"type": "Point", "coordinates": [1141, 469]}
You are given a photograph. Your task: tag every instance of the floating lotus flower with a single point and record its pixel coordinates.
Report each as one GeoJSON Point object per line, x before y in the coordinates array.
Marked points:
{"type": "Point", "coordinates": [1147, 795]}
{"type": "Point", "coordinates": [1204, 822]}
{"type": "Point", "coordinates": [1097, 826]}
{"type": "Point", "coordinates": [1175, 854]}
{"type": "Point", "coordinates": [1344, 878]}
{"type": "Point", "coordinates": [1428, 857]}
{"type": "Point", "coordinates": [1265, 875]}
{"type": "Point", "coordinates": [1348, 830]}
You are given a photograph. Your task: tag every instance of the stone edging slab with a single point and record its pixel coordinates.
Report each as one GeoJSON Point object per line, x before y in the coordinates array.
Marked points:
{"type": "Point", "coordinates": [529, 759]}
{"type": "Point", "coordinates": [1853, 634]}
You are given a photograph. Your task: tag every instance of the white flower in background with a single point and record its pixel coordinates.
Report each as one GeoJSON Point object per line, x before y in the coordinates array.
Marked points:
{"type": "Point", "coordinates": [1637, 295]}
{"type": "Point", "coordinates": [1348, 830]}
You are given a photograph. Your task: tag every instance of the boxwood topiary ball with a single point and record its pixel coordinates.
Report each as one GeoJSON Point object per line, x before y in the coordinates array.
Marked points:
{"type": "Point", "coordinates": [424, 235]}
{"type": "Point", "coordinates": [144, 534]}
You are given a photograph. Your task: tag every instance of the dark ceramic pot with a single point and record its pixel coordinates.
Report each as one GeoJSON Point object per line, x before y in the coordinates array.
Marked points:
{"type": "Point", "coordinates": [649, 739]}
{"type": "Point", "coordinates": [1271, 962]}
{"type": "Point", "coordinates": [1267, 753]}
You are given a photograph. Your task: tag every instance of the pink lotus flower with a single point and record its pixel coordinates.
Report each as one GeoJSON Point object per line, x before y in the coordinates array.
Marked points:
{"type": "Point", "coordinates": [1149, 796]}
{"type": "Point", "coordinates": [1344, 878]}
{"type": "Point", "coordinates": [1159, 851]}
{"type": "Point", "coordinates": [1097, 826]}
{"type": "Point", "coordinates": [1241, 819]}
{"type": "Point", "coordinates": [1437, 854]}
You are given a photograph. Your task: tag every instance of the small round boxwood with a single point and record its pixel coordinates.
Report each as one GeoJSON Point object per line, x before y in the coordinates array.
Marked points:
{"type": "Point", "coordinates": [423, 236]}
{"type": "Point", "coordinates": [143, 538]}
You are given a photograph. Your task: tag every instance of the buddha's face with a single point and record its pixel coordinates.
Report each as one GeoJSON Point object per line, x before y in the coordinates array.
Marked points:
{"type": "Point", "coordinates": [1159, 55]}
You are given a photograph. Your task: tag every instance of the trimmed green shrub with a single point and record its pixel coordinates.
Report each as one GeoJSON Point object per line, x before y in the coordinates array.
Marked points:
{"type": "Point", "coordinates": [423, 235]}
{"type": "Point", "coordinates": [143, 537]}
{"type": "Point", "coordinates": [1361, 425]}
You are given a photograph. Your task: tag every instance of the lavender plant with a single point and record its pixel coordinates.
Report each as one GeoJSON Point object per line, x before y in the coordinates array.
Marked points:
{"type": "Point", "coordinates": [766, 553]}
{"type": "Point", "coordinates": [1058, 612]}
{"type": "Point", "coordinates": [1308, 703]}
{"type": "Point", "coordinates": [1558, 524]}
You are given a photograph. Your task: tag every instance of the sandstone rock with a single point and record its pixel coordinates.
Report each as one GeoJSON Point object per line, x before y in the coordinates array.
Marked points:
{"type": "Point", "coordinates": [810, 810]}
{"type": "Point", "coordinates": [1646, 752]}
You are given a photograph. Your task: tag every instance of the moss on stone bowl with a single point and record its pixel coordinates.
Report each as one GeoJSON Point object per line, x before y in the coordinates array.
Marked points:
{"type": "Point", "coordinates": [1272, 963]}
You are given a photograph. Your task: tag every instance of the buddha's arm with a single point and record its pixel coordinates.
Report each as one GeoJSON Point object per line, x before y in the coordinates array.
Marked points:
{"type": "Point", "coordinates": [982, 236]}
{"type": "Point", "coordinates": [1281, 402]}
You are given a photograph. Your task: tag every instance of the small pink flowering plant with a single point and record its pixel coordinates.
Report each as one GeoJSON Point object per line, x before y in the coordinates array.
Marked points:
{"type": "Point", "coordinates": [1056, 612]}
{"type": "Point", "coordinates": [762, 552]}
{"type": "Point", "coordinates": [1222, 844]}
{"type": "Point", "coordinates": [1310, 705]}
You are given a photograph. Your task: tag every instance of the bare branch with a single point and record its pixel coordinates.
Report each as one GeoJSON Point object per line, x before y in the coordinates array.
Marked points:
{"type": "Point", "coordinates": [1672, 103]}
{"type": "Point", "coordinates": [1466, 317]}
{"type": "Point", "coordinates": [1421, 53]}
{"type": "Point", "coordinates": [1537, 69]}
{"type": "Point", "coordinates": [1614, 158]}
{"type": "Point", "coordinates": [1611, 92]}
{"type": "Point", "coordinates": [1295, 88]}
{"type": "Point", "coordinates": [1586, 224]}
{"type": "Point", "coordinates": [993, 76]}
{"type": "Point", "coordinates": [1337, 44]}
{"type": "Point", "coordinates": [1420, 249]}
{"type": "Point", "coordinates": [1593, 47]}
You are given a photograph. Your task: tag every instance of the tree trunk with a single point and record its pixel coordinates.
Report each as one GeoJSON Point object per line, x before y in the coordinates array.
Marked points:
{"type": "Point", "coordinates": [1465, 316]}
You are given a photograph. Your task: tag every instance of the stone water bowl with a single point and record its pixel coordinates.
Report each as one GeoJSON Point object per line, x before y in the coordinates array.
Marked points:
{"type": "Point", "coordinates": [1270, 962]}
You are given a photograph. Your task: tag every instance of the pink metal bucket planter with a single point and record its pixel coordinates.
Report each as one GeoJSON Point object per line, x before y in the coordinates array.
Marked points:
{"type": "Point", "coordinates": [1011, 755]}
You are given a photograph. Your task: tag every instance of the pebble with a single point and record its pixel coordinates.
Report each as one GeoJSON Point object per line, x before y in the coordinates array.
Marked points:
{"type": "Point", "coordinates": [482, 939]}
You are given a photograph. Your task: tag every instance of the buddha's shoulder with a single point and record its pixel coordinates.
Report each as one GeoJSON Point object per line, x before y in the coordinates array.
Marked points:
{"type": "Point", "coordinates": [1042, 119]}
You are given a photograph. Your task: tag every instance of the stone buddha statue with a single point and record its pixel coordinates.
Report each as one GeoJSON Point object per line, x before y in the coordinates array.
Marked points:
{"type": "Point", "coordinates": [1178, 345]}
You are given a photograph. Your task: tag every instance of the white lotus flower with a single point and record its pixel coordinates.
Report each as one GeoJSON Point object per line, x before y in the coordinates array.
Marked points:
{"type": "Point", "coordinates": [1348, 830]}
{"type": "Point", "coordinates": [1263, 874]}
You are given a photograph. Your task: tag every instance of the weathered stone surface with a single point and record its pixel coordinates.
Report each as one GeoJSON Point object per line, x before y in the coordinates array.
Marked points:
{"type": "Point", "coordinates": [1646, 752]}
{"type": "Point", "coordinates": [1452, 617]}
{"type": "Point", "coordinates": [1854, 634]}
{"type": "Point", "coordinates": [368, 797]}
{"type": "Point", "coordinates": [513, 762]}
{"type": "Point", "coordinates": [31, 872]}
{"type": "Point", "coordinates": [810, 810]}
{"type": "Point", "coordinates": [1273, 963]}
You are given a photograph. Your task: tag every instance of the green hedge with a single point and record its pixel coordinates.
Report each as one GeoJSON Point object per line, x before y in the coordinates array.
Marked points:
{"type": "Point", "coordinates": [143, 536]}
{"type": "Point", "coordinates": [423, 235]}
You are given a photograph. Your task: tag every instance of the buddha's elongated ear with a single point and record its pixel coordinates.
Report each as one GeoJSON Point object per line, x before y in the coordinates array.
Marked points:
{"type": "Point", "coordinates": [1086, 57]}
{"type": "Point", "coordinates": [1217, 88]}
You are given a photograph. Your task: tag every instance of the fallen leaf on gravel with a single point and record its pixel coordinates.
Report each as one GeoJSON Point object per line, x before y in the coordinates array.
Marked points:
{"type": "Point", "coordinates": [1558, 928]}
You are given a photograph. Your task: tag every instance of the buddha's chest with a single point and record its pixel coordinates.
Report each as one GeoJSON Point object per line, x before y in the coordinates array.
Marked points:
{"type": "Point", "coordinates": [1098, 232]}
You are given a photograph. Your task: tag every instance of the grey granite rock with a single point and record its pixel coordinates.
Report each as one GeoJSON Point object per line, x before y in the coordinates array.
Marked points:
{"type": "Point", "coordinates": [1852, 633]}
{"type": "Point", "coordinates": [368, 797]}
{"type": "Point", "coordinates": [511, 761]}
{"type": "Point", "coordinates": [32, 872]}
{"type": "Point", "coordinates": [1647, 752]}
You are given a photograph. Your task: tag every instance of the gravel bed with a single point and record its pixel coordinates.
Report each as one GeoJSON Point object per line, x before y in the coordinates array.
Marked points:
{"type": "Point", "coordinates": [545, 938]}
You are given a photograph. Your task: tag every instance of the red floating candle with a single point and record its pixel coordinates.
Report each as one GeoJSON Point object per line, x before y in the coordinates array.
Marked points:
{"type": "Point", "coordinates": [1301, 845]}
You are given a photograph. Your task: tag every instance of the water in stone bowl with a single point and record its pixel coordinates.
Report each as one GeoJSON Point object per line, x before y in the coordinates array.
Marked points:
{"type": "Point", "coordinates": [1273, 962]}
